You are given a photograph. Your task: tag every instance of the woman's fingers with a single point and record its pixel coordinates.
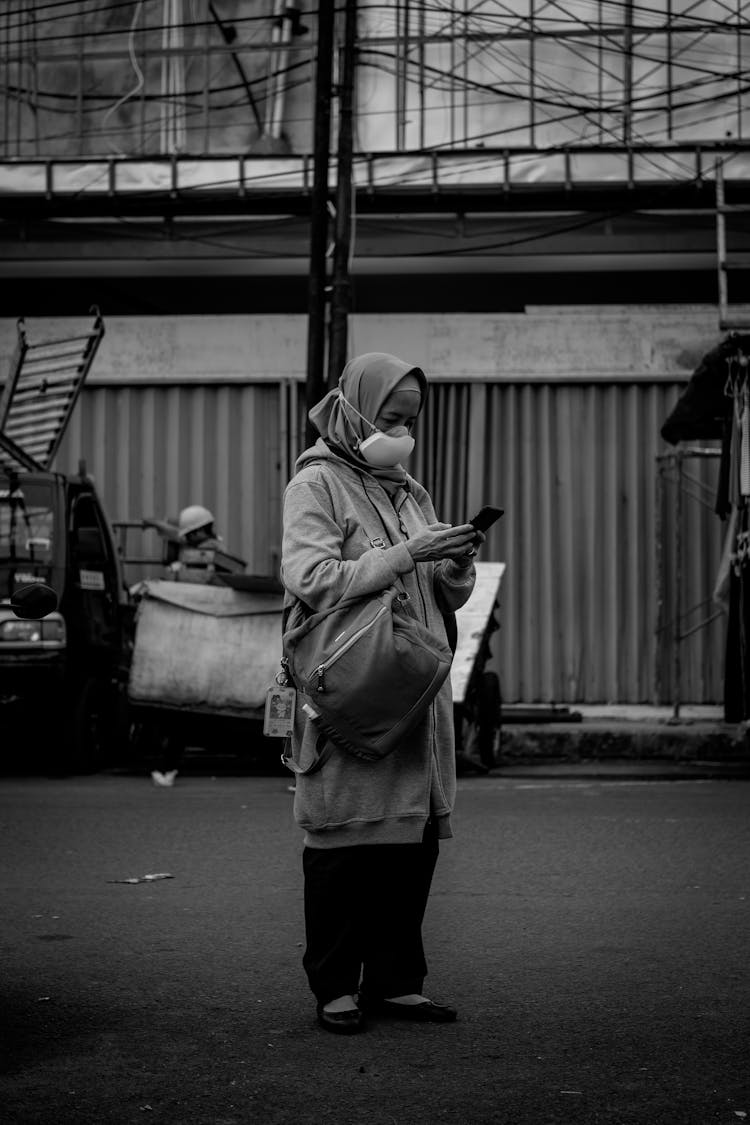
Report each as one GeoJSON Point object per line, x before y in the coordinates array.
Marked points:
{"type": "Point", "coordinates": [463, 541]}
{"type": "Point", "coordinates": [460, 535]}
{"type": "Point", "coordinates": [443, 541]}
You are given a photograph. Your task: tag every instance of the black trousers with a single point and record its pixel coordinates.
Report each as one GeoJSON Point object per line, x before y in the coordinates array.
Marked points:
{"type": "Point", "coordinates": [364, 907]}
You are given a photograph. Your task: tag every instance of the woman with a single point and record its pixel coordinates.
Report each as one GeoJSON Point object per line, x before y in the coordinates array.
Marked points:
{"type": "Point", "coordinates": [355, 523]}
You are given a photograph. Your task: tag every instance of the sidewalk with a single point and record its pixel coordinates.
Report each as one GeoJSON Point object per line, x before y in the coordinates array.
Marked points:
{"type": "Point", "coordinates": [623, 740]}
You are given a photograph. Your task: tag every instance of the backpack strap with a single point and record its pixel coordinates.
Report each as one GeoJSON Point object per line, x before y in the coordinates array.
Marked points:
{"type": "Point", "coordinates": [323, 755]}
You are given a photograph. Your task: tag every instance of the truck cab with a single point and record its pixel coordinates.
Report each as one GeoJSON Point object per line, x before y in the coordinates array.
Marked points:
{"type": "Point", "coordinates": [68, 668]}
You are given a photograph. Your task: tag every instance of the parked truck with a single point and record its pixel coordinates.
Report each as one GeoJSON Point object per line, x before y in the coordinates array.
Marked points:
{"type": "Point", "coordinates": [63, 677]}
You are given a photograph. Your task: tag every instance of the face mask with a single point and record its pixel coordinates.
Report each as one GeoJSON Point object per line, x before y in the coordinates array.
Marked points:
{"type": "Point", "coordinates": [384, 450]}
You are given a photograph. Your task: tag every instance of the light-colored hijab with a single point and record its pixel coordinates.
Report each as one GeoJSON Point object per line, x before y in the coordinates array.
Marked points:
{"type": "Point", "coordinates": [366, 382]}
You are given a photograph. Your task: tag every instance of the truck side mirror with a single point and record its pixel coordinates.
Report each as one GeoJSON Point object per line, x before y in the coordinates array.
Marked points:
{"type": "Point", "coordinates": [33, 601]}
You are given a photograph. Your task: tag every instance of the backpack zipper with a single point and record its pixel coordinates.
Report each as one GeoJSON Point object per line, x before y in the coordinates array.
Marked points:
{"type": "Point", "coordinates": [321, 669]}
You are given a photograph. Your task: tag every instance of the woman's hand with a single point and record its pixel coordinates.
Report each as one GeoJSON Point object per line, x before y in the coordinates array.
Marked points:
{"type": "Point", "coordinates": [464, 561]}
{"type": "Point", "coordinates": [442, 541]}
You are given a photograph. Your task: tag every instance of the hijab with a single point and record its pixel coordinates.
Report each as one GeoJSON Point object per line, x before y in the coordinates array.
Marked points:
{"type": "Point", "coordinates": [366, 382]}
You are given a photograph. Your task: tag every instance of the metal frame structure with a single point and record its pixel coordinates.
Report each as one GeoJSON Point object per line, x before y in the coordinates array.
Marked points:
{"type": "Point", "coordinates": [151, 59]}
{"type": "Point", "coordinates": [486, 179]}
{"type": "Point", "coordinates": [42, 387]}
{"type": "Point", "coordinates": [605, 72]}
{"type": "Point", "coordinates": [631, 64]}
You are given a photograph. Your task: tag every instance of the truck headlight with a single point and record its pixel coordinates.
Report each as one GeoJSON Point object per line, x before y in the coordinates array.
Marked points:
{"type": "Point", "coordinates": [50, 629]}
{"type": "Point", "coordinates": [21, 630]}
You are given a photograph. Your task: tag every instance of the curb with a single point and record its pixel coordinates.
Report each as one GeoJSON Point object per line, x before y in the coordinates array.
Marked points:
{"type": "Point", "coordinates": [692, 747]}
{"type": "Point", "coordinates": [613, 771]}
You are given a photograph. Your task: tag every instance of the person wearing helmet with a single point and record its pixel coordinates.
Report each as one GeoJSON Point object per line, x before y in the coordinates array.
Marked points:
{"type": "Point", "coordinates": [195, 535]}
{"type": "Point", "coordinates": [196, 527]}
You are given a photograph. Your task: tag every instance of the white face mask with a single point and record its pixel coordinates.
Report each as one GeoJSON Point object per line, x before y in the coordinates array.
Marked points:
{"type": "Point", "coordinates": [384, 450]}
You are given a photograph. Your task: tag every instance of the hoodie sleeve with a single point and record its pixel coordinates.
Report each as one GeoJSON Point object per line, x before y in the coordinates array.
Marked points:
{"type": "Point", "coordinates": [312, 566]}
{"type": "Point", "coordinates": [453, 586]}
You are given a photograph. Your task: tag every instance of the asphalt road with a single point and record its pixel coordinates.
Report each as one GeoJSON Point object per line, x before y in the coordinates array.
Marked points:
{"type": "Point", "coordinates": [594, 935]}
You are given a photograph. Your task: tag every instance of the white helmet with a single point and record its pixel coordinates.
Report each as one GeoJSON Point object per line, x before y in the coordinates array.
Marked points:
{"type": "Point", "coordinates": [192, 518]}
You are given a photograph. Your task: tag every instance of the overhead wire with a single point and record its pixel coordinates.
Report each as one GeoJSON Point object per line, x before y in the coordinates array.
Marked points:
{"type": "Point", "coordinates": [645, 10]}
{"type": "Point", "coordinates": [73, 4]}
{"type": "Point", "coordinates": [713, 75]}
{"type": "Point", "coordinates": [640, 55]}
{"type": "Point", "coordinates": [620, 7]}
{"type": "Point", "coordinates": [175, 234]}
{"type": "Point", "coordinates": [83, 99]}
{"type": "Point", "coordinates": [148, 135]}
{"type": "Point", "coordinates": [475, 138]}
{"type": "Point", "coordinates": [594, 28]}
{"type": "Point", "coordinates": [216, 107]}
{"type": "Point", "coordinates": [190, 111]}
{"type": "Point", "coordinates": [680, 170]}
{"type": "Point", "coordinates": [658, 61]}
{"type": "Point", "coordinates": [103, 33]}
{"type": "Point", "coordinates": [550, 231]}
{"type": "Point", "coordinates": [537, 232]}
{"type": "Point", "coordinates": [581, 108]}
{"type": "Point", "coordinates": [506, 242]}
{"type": "Point", "coordinates": [63, 95]}
{"type": "Point", "coordinates": [137, 231]}
{"type": "Point", "coordinates": [551, 99]}
{"type": "Point", "coordinates": [597, 109]}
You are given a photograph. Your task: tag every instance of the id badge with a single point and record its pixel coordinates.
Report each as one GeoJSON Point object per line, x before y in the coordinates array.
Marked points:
{"type": "Point", "coordinates": [279, 715]}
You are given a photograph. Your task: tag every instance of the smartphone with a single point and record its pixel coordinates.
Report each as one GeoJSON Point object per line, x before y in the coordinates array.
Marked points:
{"type": "Point", "coordinates": [485, 517]}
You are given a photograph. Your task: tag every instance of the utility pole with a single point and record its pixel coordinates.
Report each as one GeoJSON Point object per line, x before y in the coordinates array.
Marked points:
{"type": "Point", "coordinates": [316, 304]}
{"type": "Point", "coordinates": [341, 299]}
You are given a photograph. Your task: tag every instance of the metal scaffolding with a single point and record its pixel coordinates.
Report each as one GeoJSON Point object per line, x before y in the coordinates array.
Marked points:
{"type": "Point", "coordinates": [92, 77]}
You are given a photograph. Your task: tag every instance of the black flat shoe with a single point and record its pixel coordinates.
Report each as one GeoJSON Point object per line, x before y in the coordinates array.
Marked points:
{"type": "Point", "coordinates": [426, 1012]}
{"type": "Point", "coordinates": [341, 1023]}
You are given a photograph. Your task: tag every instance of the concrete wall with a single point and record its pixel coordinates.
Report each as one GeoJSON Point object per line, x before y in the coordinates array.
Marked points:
{"type": "Point", "coordinates": [546, 344]}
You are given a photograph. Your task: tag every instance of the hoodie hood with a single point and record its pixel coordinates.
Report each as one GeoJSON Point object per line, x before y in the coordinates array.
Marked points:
{"type": "Point", "coordinates": [366, 382]}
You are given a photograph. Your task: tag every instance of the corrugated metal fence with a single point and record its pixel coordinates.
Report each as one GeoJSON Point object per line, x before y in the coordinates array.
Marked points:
{"type": "Point", "coordinates": [573, 464]}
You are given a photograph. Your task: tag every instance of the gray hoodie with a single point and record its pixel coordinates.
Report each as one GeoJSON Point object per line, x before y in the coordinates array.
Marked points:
{"type": "Point", "coordinates": [345, 535]}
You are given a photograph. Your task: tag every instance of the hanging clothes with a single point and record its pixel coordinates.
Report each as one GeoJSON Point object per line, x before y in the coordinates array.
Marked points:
{"type": "Point", "coordinates": [716, 403]}
{"type": "Point", "coordinates": [745, 441]}
{"type": "Point", "coordinates": [737, 662]}
{"type": "Point", "coordinates": [737, 657]}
